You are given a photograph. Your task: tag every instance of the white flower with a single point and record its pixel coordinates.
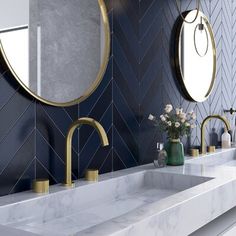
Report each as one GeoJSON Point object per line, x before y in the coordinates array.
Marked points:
{"type": "Point", "coordinates": [193, 126]}
{"type": "Point", "coordinates": [178, 111]}
{"type": "Point", "coordinates": [182, 115]}
{"type": "Point", "coordinates": [168, 108]}
{"type": "Point", "coordinates": [169, 123]}
{"type": "Point", "coordinates": [162, 117]}
{"type": "Point", "coordinates": [166, 116]}
{"type": "Point", "coordinates": [187, 124]}
{"type": "Point", "coordinates": [177, 124]}
{"type": "Point", "coordinates": [151, 117]}
{"type": "Point", "coordinates": [191, 112]}
{"type": "Point", "coordinates": [193, 116]}
{"type": "Point", "coordinates": [183, 120]}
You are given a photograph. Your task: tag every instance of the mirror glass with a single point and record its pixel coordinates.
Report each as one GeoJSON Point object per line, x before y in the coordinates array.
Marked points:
{"type": "Point", "coordinates": [195, 57]}
{"type": "Point", "coordinates": [58, 50]}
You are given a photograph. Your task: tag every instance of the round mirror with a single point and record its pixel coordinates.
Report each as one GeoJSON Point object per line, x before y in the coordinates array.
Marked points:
{"type": "Point", "coordinates": [58, 50]}
{"type": "Point", "coordinates": [195, 56]}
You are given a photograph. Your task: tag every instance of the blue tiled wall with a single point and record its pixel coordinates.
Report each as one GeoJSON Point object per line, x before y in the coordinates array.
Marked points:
{"type": "Point", "coordinates": [139, 80]}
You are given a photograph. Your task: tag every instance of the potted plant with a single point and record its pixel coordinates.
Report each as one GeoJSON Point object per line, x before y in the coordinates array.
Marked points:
{"type": "Point", "coordinates": [176, 123]}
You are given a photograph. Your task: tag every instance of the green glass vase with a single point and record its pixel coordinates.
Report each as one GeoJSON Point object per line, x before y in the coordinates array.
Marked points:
{"type": "Point", "coordinates": [175, 152]}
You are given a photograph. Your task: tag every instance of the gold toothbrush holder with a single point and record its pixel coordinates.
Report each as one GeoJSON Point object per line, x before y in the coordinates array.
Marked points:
{"type": "Point", "coordinates": [41, 185]}
{"type": "Point", "coordinates": [91, 175]}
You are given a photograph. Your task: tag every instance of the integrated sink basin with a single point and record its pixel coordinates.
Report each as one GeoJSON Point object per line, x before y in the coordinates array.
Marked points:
{"type": "Point", "coordinates": [75, 211]}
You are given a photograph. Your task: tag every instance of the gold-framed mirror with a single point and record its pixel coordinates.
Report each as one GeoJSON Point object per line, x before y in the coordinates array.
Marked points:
{"type": "Point", "coordinates": [57, 50]}
{"type": "Point", "coordinates": [195, 56]}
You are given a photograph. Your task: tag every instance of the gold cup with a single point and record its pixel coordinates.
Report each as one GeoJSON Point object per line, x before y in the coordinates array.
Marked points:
{"type": "Point", "coordinates": [91, 175]}
{"type": "Point", "coordinates": [41, 185]}
{"type": "Point", "coordinates": [194, 152]}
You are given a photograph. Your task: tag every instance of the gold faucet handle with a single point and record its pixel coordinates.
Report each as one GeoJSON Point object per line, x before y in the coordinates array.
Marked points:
{"type": "Point", "coordinates": [194, 152]}
{"type": "Point", "coordinates": [91, 175]}
{"type": "Point", "coordinates": [211, 149]}
{"type": "Point", "coordinates": [41, 185]}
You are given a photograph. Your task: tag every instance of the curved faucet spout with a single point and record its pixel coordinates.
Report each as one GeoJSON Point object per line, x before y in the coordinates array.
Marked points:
{"type": "Point", "coordinates": [225, 121]}
{"type": "Point", "coordinates": [76, 124]}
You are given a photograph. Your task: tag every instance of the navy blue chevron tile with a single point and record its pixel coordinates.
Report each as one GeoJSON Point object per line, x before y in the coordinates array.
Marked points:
{"type": "Point", "coordinates": [150, 53]}
{"type": "Point", "coordinates": [131, 9]}
{"type": "Point", "coordinates": [122, 153]}
{"type": "Point", "coordinates": [102, 159]}
{"type": "Point", "coordinates": [126, 84]}
{"type": "Point", "coordinates": [92, 144]}
{"type": "Point", "coordinates": [149, 11]}
{"type": "Point", "coordinates": [118, 164]}
{"type": "Point", "coordinates": [72, 112]}
{"type": "Point", "coordinates": [54, 130]}
{"type": "Point", "coordinates": [144, 7]}
{"type": "Point", "coordinates": [16, 136]}
{"type": "Point", "coordinates": [122, 27]}
{"type": "Point", "coordinates": [153, 71]}
{"type": "Point", "coordinates": [100, 107]}
{"type": "Point", "coordinates": [124, 46]}
{"type": "Point", "coordinates": [49, 164]}
{"type": "Point", "coordinates": [60, 117]}
{"type": "Point", "coordinates": [7, 89]}
{"type": "Point", "coordinates": [123, 107]}
{"type": "Point", "coordinates": [53, 135]}
{"type": "Point", "coordinates": [17, 166]}
{"type": "Point", "coordinates": [11, 112]}
{"type": "Point", "coordinates": [130, 140]}
{"type": "Point", "coordinates": [153, 30]}
{"type": "Point", "coordinates": [107, 164]}
{"type": "Point", "coordinates": [86, 132]}
{"type": "Point", "coordinates": [43, 173]}
{"type": "Point", "coordinates": [152, 97]}
{"type": "Point", "coordinates": [86, 106]}
{"type": "Point", "coordinates": [90, 152]}
{"type": "Point", "coordinates": [125, 101]}
{"type": "Point", "coordinates": [125, 68]}
{"type": "Point", "coordinates": [24, 182]}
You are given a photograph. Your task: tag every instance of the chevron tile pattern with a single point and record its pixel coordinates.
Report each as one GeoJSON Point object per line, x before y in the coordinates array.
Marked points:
{"type": "Point", "coordinates": [139, 80]}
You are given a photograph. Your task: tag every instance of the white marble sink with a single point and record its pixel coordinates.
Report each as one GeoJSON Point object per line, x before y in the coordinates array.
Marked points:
{"type": "Point", "coordinates": [75, 211]}
{"type": "Point", "coordinates": [133, 202]}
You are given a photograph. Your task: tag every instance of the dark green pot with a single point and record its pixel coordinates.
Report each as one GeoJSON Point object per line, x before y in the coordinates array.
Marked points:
{"type": "Point", "coordinates": [175, 152]}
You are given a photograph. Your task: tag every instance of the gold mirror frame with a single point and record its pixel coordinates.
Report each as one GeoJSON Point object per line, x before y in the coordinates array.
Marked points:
{"type": "Point", "coordinates": [178, 69]}
{"type": "Point", "coordinates": [7, 66]}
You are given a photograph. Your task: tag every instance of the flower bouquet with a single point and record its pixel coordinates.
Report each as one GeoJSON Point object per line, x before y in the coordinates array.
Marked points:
{"type": "Point", "coordinates": [176, 124]}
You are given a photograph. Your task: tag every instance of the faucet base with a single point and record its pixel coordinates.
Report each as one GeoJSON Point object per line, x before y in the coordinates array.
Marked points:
{"type": "Point", "coordinates": [70, 185]}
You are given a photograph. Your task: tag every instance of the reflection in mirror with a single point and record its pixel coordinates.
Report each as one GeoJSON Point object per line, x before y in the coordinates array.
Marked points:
{"type": "Point", "coordinates": [60, 49]}
{"type": "Point", "coordinates": [14, 35]}
{"type": "Point", "coordinates": [15, 44]}
{"type": "Point", "coordinates": [196, 57]}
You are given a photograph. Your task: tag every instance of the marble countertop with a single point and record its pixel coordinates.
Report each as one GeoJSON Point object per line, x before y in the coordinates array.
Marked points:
{"type": "Point", "coordinates": [178, 214]}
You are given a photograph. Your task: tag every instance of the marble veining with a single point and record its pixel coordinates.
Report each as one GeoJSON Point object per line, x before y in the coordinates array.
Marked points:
{"type": "Point", "coordinates": [100, 202]}
{"type": "Point", "coordinates": [137, 201]}
{"type": "Point", "coordinates": [79, 221]}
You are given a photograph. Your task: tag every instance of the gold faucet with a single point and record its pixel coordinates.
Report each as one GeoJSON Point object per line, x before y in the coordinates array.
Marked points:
{"type": "Point", "coordinates": [226, 122]}
{"type": "Point", "coordinates": [82, 121]}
